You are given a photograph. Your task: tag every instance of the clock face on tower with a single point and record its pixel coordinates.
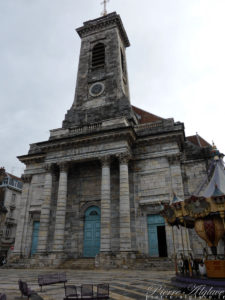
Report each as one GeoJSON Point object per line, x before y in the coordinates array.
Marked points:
{"type": "Point", "coordinates": [96, 89]}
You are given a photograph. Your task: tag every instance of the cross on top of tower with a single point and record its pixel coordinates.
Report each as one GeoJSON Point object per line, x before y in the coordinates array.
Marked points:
{"type": "Point", "coordinates": [104, 13]}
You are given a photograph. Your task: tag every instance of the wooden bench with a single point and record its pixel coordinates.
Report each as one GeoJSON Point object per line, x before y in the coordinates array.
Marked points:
{"type": "Point", "coordinates": [48, 279]}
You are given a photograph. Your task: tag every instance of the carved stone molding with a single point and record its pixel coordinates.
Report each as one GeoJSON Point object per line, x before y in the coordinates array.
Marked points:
{"type": "Point", "coordinates": [85, 206]}
{"type": "Point", "coordinates": [26, 178]}
{"type": "Point", "coordinates": [174, 158]}
{"type": "Point", "coordinates": [124, 157]}
{"type": "Point", "coordinates": [105, 160]}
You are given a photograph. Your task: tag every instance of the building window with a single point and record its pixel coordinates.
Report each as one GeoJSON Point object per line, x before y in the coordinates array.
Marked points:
{"type": "Point", "coordinates": [11, 213]}
{"type": "Point", "coordinates": [123, 66]}
{"type": "Point", "coordinates": [5, 181]}
{"type": "Point", "coordinates": [19, 185]}
{"type": "Point", "coordinates": [8, 232]}
{"type": "Point", "coordinates": [98, 56]}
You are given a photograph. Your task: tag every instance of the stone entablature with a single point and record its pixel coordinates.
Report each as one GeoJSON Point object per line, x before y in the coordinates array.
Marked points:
{"type": "Point", "coordinates": [95, 127]}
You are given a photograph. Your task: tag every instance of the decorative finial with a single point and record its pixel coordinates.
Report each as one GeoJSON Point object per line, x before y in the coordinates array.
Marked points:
{"type": "Point", "coordinates": [104, 13]}
{"type": "Point", "coordinates": [215, 152]}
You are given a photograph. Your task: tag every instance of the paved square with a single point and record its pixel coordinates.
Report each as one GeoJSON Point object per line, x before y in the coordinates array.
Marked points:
{"type": "Point", "coordinates": [124, 284]}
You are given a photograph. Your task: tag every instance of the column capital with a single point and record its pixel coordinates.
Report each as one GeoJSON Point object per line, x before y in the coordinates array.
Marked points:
{"type": "Point", "coordinates": [48, 167]}
{"type": "Point", "coordinates": [174, 158]}
{"type": "Point", "coordinates": [105, 160]}
{"type": "Point", "coordinates": [26, 178]}
{"type": "Point", "coordinates": [63, 166]}
{"type": "Point", "coordinates": [124, 157]}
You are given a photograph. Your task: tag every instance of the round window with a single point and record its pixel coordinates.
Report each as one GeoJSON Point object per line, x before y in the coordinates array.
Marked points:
{"type": "Point", "coordinates": [96, 89]}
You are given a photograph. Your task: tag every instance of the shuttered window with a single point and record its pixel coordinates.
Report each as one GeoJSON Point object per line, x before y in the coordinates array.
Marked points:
{"type": "Point", "coordinates": [98, 56]}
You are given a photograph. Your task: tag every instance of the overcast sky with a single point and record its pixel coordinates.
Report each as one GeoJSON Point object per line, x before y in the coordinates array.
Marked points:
{"type": "Point", "coordinates": [176, 65]}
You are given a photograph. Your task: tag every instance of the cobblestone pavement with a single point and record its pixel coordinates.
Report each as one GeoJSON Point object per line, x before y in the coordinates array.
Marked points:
{"type": "Point", "coordinates": [124, 284]}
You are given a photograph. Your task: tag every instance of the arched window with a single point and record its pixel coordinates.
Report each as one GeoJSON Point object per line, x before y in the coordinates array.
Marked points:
{"type": "Point", "coordinates": [98, 56]}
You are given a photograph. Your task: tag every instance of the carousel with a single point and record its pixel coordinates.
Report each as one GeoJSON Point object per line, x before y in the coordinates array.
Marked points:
{"type": "Point", "coordinates": [203, 212]}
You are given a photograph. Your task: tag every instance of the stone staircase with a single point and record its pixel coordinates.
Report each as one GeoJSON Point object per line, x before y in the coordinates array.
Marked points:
{"type": "Point", "coordinates": [140, 263]}
{"type": "Point", "coordinates": [23, 263]}
{"type": "Point", "coordinates": [78, 264]}
{"type": "Point", "coordinates": [156, 264]}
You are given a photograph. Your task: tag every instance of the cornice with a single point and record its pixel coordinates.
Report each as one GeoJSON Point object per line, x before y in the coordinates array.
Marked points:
{"type": "Point", "coordinates": [145, 140]}
{"type": "Point", "coordinates": [32, 158]}
{"type": "Point", "coordinates": [75, 142]}
{"type": "Point", "coordinates": [102, 23]}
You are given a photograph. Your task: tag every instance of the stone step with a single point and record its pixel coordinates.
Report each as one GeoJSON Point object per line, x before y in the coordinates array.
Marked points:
{"type": "Point", "coordinates": [158, 264]}
{"type": "Point", "coordinates": [79, 264]}
{"type": "Point", "coordinates": [140, 263]}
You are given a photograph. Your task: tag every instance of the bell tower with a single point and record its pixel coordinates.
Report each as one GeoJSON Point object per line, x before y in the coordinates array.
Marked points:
{"type": "Point", "coordinates": [102, 90]}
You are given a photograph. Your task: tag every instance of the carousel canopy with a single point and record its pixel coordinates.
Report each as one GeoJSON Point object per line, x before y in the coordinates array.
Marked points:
{"type": "Point", "coordinates": [176, 199]}
{"type": "Point", "coordinates": [216, 185]}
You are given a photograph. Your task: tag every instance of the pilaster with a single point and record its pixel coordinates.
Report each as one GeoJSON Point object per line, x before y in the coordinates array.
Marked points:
{"type": "Point", "coordinates": [176, 175]}
{"type": "Point", "coordinates": [177, 187]}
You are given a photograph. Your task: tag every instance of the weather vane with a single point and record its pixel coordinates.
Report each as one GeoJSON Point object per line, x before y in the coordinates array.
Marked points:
{"type": "Point", "coordinates": [104, 13]}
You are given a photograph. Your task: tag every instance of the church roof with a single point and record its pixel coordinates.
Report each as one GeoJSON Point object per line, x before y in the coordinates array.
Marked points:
{"type": "Point", "coordinates": [144, 116]}
{"type": "Point", "coordinates": [14, 177]}
{"type": "Point", "coordinates": [198, 141]}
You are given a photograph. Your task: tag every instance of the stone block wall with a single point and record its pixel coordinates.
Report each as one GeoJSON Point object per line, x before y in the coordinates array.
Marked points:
{"type": "Point", "coordinates": [195, 172]}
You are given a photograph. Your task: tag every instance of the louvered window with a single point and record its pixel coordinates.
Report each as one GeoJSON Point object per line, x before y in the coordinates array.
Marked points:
{"type": "Point", "coordinates": [98, 56]}
{"type": "Point", "coordinates": [122, 61]}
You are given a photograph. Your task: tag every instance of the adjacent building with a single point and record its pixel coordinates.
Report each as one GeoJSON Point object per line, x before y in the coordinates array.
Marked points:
{"type": "Point", "coordinates": [95, 188]}
{"type": "Point", "coordinates": [10, 196]}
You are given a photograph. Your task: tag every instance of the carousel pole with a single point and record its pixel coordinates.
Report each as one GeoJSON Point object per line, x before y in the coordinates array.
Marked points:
{"type": "Point", "coordinates": [182, 240]}
{"type": "Point", "coordinates": [189, 263]}
{"type": "Point", "coordinates": [174, 251]}
{"type": "Point", "coordinates": [186, 234]}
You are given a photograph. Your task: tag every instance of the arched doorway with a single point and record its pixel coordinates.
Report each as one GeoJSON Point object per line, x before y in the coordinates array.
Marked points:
{"type": "Point", "coordinates": [92, 231]}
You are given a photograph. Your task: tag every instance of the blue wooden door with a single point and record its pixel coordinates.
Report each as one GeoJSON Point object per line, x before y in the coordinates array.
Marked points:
{"type": "Point", "coordinates": [153, 241]}
{"type": "Point", "coordinates": [153, 222]}
{"type": "Point", "coordinates": [92, 230]}
{"type": "Point", "coordinates": [34, 245]}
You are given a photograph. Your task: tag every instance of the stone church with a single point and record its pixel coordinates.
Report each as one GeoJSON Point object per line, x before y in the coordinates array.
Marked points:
{"type": "Point", "coordinates": [95, 188]}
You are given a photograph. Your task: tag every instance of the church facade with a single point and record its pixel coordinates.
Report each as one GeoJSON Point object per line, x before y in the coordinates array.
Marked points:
{"type": "Point", "coordinates": [95, 188]}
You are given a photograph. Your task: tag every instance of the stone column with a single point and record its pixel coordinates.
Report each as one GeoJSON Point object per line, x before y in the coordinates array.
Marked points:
{"type": "Point", "coordinates": [58, 243]}
{"type": "Point", "coordinates": [125, 232]}
{"type": "Point", "coordinates": [19, 245]}
{"type": "Point", "coordinates": [45, 211]}
{"type": "Point", "coordinates": [105, 206]}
